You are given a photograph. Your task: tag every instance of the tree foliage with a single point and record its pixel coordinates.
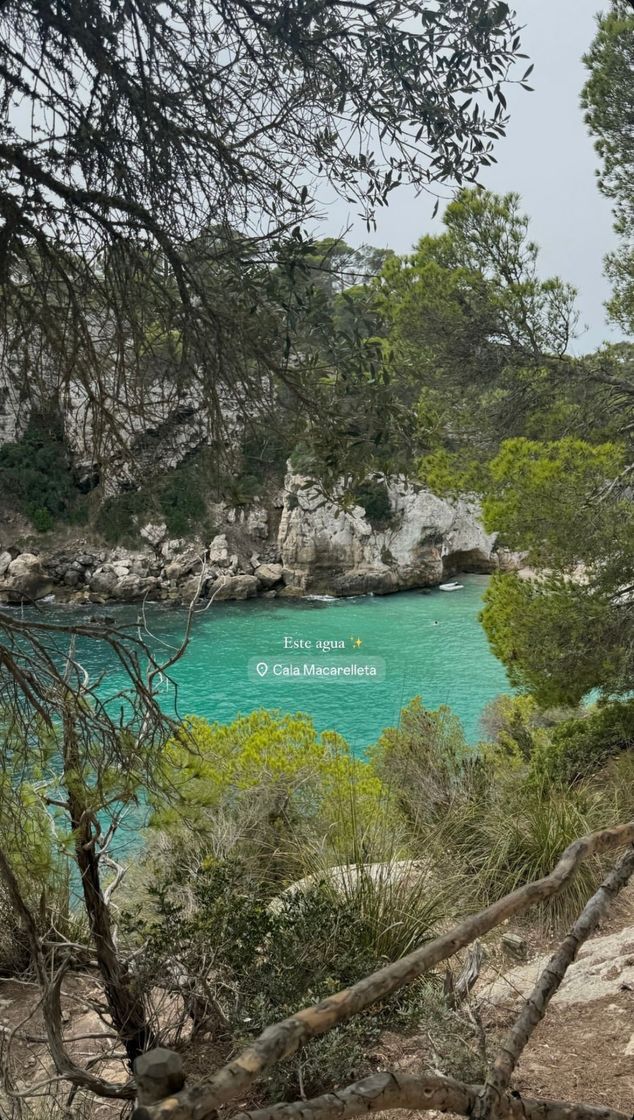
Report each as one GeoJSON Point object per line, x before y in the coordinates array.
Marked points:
{"type": "Point", "coordinates": [274, 781]}
{"type": "Point", "coordinates": [157, 160]}
{"type": "Point", "coordinates": [473, 329]}
{"type": "Point", "coordinates": [608, 98]}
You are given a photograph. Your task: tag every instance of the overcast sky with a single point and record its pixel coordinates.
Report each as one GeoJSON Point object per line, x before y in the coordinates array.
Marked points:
{"type": "Point", "coordinates": [547, 156]}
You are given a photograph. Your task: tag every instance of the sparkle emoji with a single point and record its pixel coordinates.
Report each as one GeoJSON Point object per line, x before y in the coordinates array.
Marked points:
{"type": "Point", "coordinates": [357, 643]}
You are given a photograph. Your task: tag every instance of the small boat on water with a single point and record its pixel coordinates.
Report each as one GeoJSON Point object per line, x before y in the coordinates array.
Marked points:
{"type": "Point", "coordinates": [451, 586]}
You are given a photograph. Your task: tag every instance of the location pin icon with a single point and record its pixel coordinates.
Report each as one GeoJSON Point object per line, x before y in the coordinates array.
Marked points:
{"type": "Point", "coordinates": [262, 669]}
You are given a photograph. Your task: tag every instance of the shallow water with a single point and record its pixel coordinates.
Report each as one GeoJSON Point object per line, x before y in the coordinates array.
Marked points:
{"type": "Point", "coordinates": [431, 643]}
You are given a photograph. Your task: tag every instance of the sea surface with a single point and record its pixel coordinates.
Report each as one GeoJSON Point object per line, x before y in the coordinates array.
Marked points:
{"type": "Point", "coordinates": [428, 644]}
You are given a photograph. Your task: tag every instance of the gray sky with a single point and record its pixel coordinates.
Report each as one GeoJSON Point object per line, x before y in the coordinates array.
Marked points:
{"type": "Point", "coordinates": [547, 156]}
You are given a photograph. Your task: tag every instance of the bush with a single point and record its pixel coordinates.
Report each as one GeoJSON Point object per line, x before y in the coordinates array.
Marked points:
{"type": "Point", "coordinates": [119, 516]}
{"type": "Point", "coordinates": [495, 818]}
{"type": "Point", "coordinates": [32, 846]}
{"type": "Point", "coordinates": [303, 460]}
{"type": "Point", "coordinates": [579, 747]}
{"type": "Point", "coordinates": [516, 833]}
{"type": "Point", "coordinates": [177, 498]}
{"type": "Point", "coordinates": [36, 475]}
{"type": "Point", "coordinates": [513, 723]}
{"type": "Point", "coordinates": [273, 786]}
{"type": "Point", "coordinates": [373, 495]}
{"type": "Point", "coordinates": [422, 761]}
{"type": "Point", "coordinates": [181, 500]}
{"type": "Point", "coordinates": [258, 964]}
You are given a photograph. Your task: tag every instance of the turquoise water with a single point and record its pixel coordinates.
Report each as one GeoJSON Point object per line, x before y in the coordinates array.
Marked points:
{"type": "Point", "coordinates": [431, 643]}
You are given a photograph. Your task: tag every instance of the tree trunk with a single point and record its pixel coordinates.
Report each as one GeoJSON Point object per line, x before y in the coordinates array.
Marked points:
{"type": "Point", "coordinates": [125, 1004]}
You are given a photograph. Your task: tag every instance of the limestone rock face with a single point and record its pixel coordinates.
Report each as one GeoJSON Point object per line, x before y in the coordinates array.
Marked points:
{"type": "Point", "coordinates": [130, 588]}
{"type": "Point", "coordinates": [183, 564]}
{"type": "Point", "coordinates": [268, 575]}
{"type": "Point", "coordinates": [320, 548]}
{"type": "Point", "coordinates": [232, 587]}
{"type": "Point", "coordinates": [329, 550]}
{"type": "Point", "coordinates": [219, 552]}
{"type": "Point", "coordinates": [25, 579]}
{"type": "Point", "coordinates": [604, 966]}
{"type": "Point", "coordinates": [254, 522]}
{"type": "Point", "coordinates": [154, 533]}
{"type": "Point", "coordinates": [103, 580]}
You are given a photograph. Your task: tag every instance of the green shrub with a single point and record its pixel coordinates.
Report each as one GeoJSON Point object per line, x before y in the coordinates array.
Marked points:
{"type": "Point", "coordinates": [273, 786]}
{"type": "Point", "coordinates": [36, 475]}
{"type": "Point", "coordinates": [242, 490]}
{"type": "Point", "coordinates": [259, 963]}
{"type": "Point", "coordinates": [42, 520]}
{"type": "Point", "coordinates": [579, 747]}
{"type": "Point", "coordinates": [422, 761]}
{"type": "Point", "coordinates": [514, 724]}
{"type": "Point", "coordinates": [182, 500]}
{"type": "Point", "coordinates": [373, 495]}
{"type": "Point", "coordinates": [493, 819]}
{"type": "Point", "coordinates": [516, 833]}
{"type": "Point", "coordinates": [303, 460]}
{"type": "Point", "coordinates": [120, 516]}
{"type": "Point", "coordinates": [394, 903]}
{"type": "Point", "coordinates": [177, 498]}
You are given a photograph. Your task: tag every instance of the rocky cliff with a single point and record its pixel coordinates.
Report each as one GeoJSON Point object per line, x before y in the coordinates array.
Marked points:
{"type": "Point", "coordinates": [299, 543]}
{"type": "Point", "coordinates": [327, 549]}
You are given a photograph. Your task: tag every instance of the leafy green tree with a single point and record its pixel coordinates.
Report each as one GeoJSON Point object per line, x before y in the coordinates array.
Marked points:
{"type": "Point", "coordinates": [553, 500]}
{"type": "Point", "coordinates": [568, 630]}
{"type": "Point", "coordinates": [273, 780]}
{"type": "Point", "coordinates": [142, 204]}
{"type": "Point", "coordinates": [608, 98]}
{"type": "Point", "coordinates": [558, 638]}
{"type": "Point", "coordinates": [474, 331]}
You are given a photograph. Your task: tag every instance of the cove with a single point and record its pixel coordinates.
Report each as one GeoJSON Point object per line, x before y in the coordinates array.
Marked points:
{"type": "Point", "coordinates": [432, 644]}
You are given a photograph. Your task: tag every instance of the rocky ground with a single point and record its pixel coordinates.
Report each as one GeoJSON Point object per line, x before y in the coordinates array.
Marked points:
{"type": "Point", "coordinates": [300, 543]}
{"type": "Point", "coordinates": [584, 1048]}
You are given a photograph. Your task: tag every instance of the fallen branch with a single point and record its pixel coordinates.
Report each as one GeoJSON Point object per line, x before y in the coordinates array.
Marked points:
{"type": "Point", "coordinates": [548, 982]}
{"type": "Point", "coordinates": [400, 1090]}
{"type": "Point", "coordinates": [283, 1039]}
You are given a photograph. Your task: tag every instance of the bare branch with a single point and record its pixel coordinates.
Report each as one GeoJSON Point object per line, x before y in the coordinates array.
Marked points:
{"type": "Point", "coordinates": [282, 1039]}
{"type": "Point", "coordinates": [398, 1090]}
{"type": "Point", "coordinates": [537, 1002]}
{"type": "Point", "coordinates": [51, 1006]}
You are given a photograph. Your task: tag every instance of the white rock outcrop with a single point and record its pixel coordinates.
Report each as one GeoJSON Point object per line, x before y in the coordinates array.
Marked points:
{"type": "Point", "coordinates": [25, 579]}
{"type": "Point", "coordinates": [604, 967]}
{"type": "Point", "coordinates": [268, 575]}
{"type": "Point", "coordinates": [327, 549]}
{"type": "Point", "coordinates": [320, 547]}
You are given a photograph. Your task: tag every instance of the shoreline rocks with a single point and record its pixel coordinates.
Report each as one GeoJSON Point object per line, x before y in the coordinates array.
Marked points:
{"type": "Point", "coordinates": [301, 544]}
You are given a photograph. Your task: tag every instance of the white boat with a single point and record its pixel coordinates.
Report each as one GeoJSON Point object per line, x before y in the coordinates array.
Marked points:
{"type": "Point", "coordinates": [451, 587]}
